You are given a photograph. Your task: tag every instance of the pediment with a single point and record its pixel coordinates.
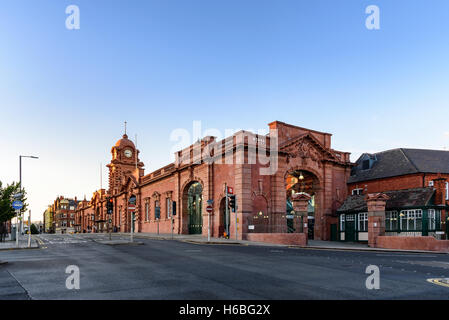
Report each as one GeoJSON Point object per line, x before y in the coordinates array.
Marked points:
{"type": "Point", "coordinates": [129, 182]}
{"type": "Point", "coordinates": [307, 146]}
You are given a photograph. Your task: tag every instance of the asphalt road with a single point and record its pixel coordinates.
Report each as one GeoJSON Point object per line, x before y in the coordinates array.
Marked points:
{"type": "Point", "coordinates": [166, 269]}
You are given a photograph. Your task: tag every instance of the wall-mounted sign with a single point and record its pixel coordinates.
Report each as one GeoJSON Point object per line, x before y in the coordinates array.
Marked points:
{"type": "Point", "coordinates": [132, 200]}
{"type": "Point", "coordinates": [251, 227]}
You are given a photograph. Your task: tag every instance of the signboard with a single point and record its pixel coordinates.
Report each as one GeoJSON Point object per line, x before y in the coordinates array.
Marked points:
{"type": "Point", "coordinates": [251, 227]}
{"type": "Point", "coordinates": [210, 201]}
{"type": "Point", "coordinates": [289, 216]}
{"type": "Point", "coordinates": [132, 200]}
{"type": "Point", "coordinates": [17, 204]}
{"type": "Point", "coordinates": [230, 190]}
{"type": "Point", "coordinates": [132, 207]}
{"type": "Point", "coordinates": [439, 232]}
{"type": "Point", "coordinates": [209, 209]}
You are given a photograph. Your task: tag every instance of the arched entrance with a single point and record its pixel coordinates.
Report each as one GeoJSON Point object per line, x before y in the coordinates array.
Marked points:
{"type": "Point", "coordinates": [193, 202]}
{"type": "Point", "coordinates": [302, 181]}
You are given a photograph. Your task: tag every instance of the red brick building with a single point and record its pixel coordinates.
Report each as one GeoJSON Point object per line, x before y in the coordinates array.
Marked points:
{"type": "Point", "coordinates": [415, 184]}
{"type": "Point", "coordinates": [64, 214]}
{"type": "Point", "coordinates": [264, 171]}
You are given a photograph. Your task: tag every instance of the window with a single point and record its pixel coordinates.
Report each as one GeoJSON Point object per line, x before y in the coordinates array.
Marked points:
{"type": "Point", "coordinates": [411, 220]}
{"type": "Point", "coordinates": [156, 208]}
{"type": "Point", "coordinates": [147, 210]}
{"type": "Point", "coordinates": [391, 221]}
{"type": "Point", "coordinates": [365, 164]}
{"type": "Point", "coordinates": [168, 207]}
{"type": "Point", "coordinates": [363, 221]}
{"type": "Point", "coordinates": [342, 222]}
{"type": "Point", "coordinates": [357, 191]}
{"type": "Point", "coordinates": [434, 218]}
{"type": "Point", "coordinates": [431, 217]}
{"type": "Point", "coordinates": [447, 190]}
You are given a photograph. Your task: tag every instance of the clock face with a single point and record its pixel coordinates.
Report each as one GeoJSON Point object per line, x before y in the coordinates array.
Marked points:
{"type": "Point", "coordinates": [128, 153]}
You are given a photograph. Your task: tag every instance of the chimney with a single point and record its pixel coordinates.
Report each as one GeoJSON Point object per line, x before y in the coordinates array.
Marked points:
{"type": "Point", "coordinates": [439, 185]}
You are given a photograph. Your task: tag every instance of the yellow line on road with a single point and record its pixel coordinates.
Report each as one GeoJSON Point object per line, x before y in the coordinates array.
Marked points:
{"type": "Point", "coordinates": [440, 281]}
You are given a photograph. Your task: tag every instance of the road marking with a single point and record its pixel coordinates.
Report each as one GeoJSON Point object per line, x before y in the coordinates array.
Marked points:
{"type": "Point", "coordinates": [406, 255]}
{"type": "Point", "coordinates": [440, 281]}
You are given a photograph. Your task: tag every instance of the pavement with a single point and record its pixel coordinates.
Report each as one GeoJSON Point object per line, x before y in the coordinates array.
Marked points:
{"type": "Point", "coordinates": [170, 269]}
{"type": "Point", "coordinates": [23, 243]}
{"type": "Point", "coordinates": [312, 244]}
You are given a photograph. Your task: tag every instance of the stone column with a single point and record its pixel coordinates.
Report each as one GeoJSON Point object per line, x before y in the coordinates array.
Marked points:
{"type": "Point", "coordinates": [300, 203]}
{"type": "Point", "coordinates": [376, 216]}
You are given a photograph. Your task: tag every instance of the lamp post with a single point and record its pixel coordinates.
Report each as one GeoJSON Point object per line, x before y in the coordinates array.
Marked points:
{"type": "Point", "coordinates": [20, 188]}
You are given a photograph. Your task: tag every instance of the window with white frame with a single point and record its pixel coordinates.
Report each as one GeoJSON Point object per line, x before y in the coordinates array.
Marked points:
{"type": "Point", "coordinates": [391, 220]}
{"type": "Point", "coordinates": [147, 210]}
{"type": "Point", "coordinates": [447, 190]}
{"type": "Point", "coordinates": [363, 221]}
{"type": "Point", "coordinates": [342, 222]}
{"type": "Point", "coordinates": [434, 218]}
{"type": "Point", "coordinates": [411, 220]}
{"type": "Point", "coordinates": [357, 191]}
{"type": "Point", "coordinates": [431, 217]}
{"type": "Point", "coordinates": [168, 207]}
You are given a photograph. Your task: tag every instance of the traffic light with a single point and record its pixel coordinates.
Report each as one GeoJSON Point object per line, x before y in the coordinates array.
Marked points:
{"type": "Point", "coordinates": [109, 205]}
{"type": "Point", "coordinates": [232, 202]}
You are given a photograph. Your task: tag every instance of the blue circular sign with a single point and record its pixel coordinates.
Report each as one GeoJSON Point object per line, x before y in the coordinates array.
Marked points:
{"type": "Point", "coordinates": [17, 204]}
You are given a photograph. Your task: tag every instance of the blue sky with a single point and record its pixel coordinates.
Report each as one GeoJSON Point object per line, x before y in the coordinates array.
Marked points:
{"type": "Point", "coordinates": [160, 65]}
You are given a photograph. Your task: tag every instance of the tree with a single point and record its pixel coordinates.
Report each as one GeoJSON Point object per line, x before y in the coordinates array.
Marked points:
{"type": "Point", "coordinates": [34, 229]}
{"type": "Point", "coordinates": [7, 212]}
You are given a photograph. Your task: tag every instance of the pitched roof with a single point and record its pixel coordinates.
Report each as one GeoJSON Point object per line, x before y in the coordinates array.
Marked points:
{"type": "Point", "coordinates": [401, 161]}
{"type": "Point", "coordinates": [407, 198]}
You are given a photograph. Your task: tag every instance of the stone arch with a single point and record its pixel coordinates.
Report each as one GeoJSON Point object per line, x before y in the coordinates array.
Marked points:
{"type": "Point", "coordinates": [185, 205]}
{"type": "Point", "coordinates": [316, 192]}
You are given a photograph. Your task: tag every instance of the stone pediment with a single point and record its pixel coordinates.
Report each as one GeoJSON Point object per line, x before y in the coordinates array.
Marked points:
{"type": "Point", "coordinates": [128, 183]}
{"type": "Point", "coordinates": [307, 146]}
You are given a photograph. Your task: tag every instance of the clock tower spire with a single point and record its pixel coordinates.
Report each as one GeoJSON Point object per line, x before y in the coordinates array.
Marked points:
{"type": "Point", "coordinates": [125, 161]}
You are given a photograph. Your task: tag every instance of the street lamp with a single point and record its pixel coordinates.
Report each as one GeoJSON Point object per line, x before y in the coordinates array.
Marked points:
{"type": "Point", "coordinates": [20, 188]}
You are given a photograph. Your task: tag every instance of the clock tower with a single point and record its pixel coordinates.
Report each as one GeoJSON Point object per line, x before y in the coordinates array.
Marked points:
{"type": "Point", "coordinates": [125, 161]}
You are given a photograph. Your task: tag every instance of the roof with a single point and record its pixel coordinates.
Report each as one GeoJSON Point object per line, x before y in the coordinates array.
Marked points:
{"type": "Point", "coordinates": [417, 197]}
{"type": "Point", "coordinates": [124, 142]}
{"type": "Point", "coordinates": [401, 161]}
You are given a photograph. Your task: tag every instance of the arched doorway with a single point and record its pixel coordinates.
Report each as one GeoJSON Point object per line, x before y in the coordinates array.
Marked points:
{"type": "Point", "coordinates": [302, 181]}
{"type": "Point", "coordinates": [193, 196]}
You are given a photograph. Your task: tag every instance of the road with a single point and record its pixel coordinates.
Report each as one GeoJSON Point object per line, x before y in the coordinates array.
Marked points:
{"type": "Point", "coordinates": [170, 269]}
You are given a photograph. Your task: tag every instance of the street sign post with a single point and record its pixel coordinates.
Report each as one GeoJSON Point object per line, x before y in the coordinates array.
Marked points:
{"type": "Point", "coordinates": [209, 210]}
{"type": "Point", "coordinates": [17, 204]}
{"type": "Point", "coordinates": [131, 210]}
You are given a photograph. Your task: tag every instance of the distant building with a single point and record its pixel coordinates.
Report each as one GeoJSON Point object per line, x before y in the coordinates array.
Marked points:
{"type": "Point", "coordinates": [64, 214]}
{"type": "Point", "coordinates": [48, 225]}
{"type": "Point", "coordinates": [416, 183]}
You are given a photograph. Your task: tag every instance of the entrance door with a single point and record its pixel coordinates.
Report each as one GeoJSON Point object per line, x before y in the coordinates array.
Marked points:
{"type": "Point", "coordinates": [350, 228]}
{"type": "Point", "coordinates": [334, 232]}
{"type": "Point", "coordinates": [194, 205]}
